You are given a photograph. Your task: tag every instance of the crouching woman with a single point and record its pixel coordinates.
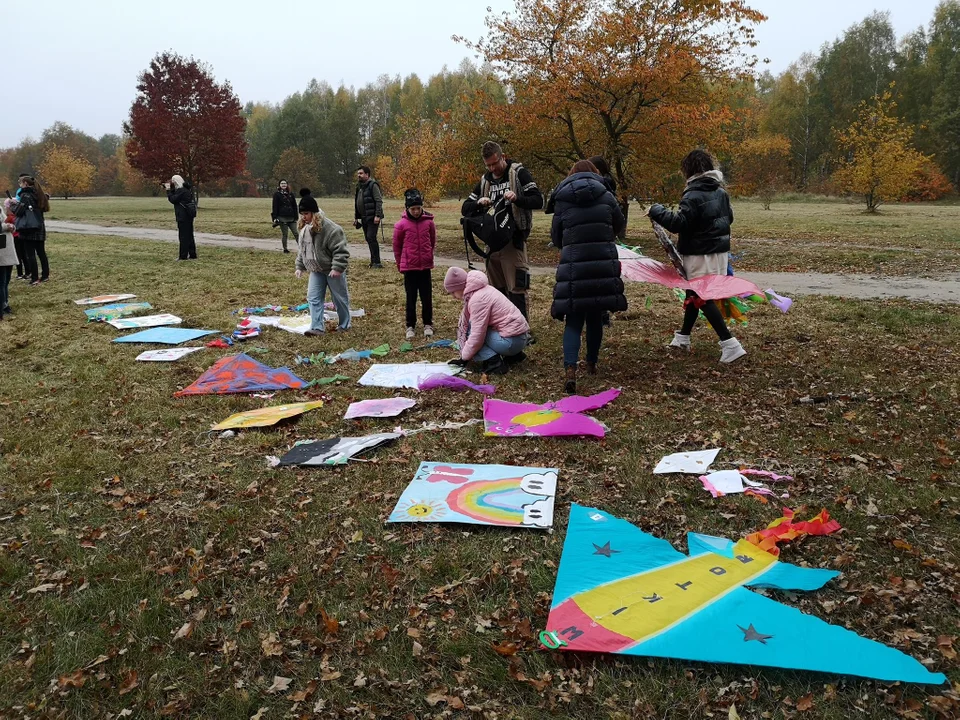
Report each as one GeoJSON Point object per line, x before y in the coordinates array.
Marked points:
{"type": "Point", "coordinates": [492, 332]}
{"type": "Point", "coordinates": [322, 251]}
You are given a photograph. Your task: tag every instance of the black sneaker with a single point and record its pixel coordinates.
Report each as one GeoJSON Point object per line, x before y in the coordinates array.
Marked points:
{"type": "Point", "coordinates": [494, 366]}
{"type": "Point", "coordinates": [286, 252]}
{"type": "Point", "coordinates": [376, 266]}
{"type": "Point", "coordinates": [514, 359]}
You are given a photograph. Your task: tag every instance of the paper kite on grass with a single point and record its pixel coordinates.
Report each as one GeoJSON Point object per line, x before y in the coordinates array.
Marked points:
{"type": "Point", "coordinates": [164, 335]}
{"type": "Point", "coordinates": [264, 417]}
{"type": "Point", "coordinates": [241, 374]}
{"type": "Point", "coordinates": [405, 375]}
{"type": "Point", "coordinates": [379, 407]}
{"type": "Point", "coordinates": [147, 321]}
{"type": "Point", "coordinates": [115, 310]}
{"type": "Point", "coordinates": [479, 495]}
{"type": "Point", "coordinates": [167, 354]}
{"type": "Point", "coordinates": [335, 451]}
{"type": "Point", "coordinates": [564, 417]}
{"type": "Point", "coordinates": [622, 591]}
{"type": "Point", "coordinates": [98, 299]}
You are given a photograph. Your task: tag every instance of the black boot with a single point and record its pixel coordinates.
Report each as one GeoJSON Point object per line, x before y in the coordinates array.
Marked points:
{"type": "Point", "coordinates": [494, 366]}
{"type": "Point", "coordinates": [514, 359]}
{"type": "Point", "coordinates": [520, 300]}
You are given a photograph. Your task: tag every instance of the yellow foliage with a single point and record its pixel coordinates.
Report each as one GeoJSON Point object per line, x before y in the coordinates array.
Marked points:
{"type": "Point", "coordinates": [420, 161]}
{"type": "Point", "coordinates": [762, 167]}
{"type": "Point", "coordinates": [65, 173]}
{"type": "Point", "coordinates": [879, 162]}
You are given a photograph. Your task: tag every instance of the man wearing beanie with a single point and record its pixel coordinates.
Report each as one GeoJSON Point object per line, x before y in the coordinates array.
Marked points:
{"type": "Point", "coordinates": [508, 269]}
{"type": "Point", "coordinates": [368, 212]}
{"type": "Point", "coordinates": [322, 252]}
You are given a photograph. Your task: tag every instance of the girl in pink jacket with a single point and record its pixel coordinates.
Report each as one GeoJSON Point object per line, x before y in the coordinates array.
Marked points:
{"type": "Point", "coordinates": [414, 240]}
{"type": "Point", "coordinates": [492, 331]}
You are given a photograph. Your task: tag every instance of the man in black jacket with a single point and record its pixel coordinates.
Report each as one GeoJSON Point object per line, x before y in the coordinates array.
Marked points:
{"type": "Point", "coordinates": [180, 195]}
{"type": "Point", "coordinates": [285, 213]}
{"type": "Point", "coordinates": [507, 269]}
{"type": "Point", "coordinates": [368, 212]}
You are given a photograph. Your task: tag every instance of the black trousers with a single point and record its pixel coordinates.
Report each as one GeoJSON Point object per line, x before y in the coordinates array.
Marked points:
{"type": "Point", "coordinates": [418, 282]}
{"type": "Point", "coordinates": [188, 244]}
{"type": "Point", "coordinates": [370, 230]}
{"type": "Point", "coordinates": [21, 255]}
{"type": "Point", "coordinates": [33, 250]}
{"type": "Point", "coordinates": [710, 311]}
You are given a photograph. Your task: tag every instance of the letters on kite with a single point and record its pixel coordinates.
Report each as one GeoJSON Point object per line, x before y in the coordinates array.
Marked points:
{"type": "Point", "coordinates": [264, 417]}
{"type": "Point", "coordinates": [241, 374]}
{"type": "Point", "coordinates": [564, 417]}
{"type": "Point", "coordinates": [620, 590]}
{"type": "Point", "coordinates": [479, 495]}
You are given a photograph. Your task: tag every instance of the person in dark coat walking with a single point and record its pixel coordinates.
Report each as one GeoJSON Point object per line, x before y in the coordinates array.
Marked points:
{"type": "Point", "coordinates": [586, 221]}
{"type": "Point", "coordinates": [368, 212]}
{"type": "Point", "coordinates": [702, 224]}
{"type": "Point", "coordinates": [180, 194]}
{"type": "Point", "coordinates": [285, 213]}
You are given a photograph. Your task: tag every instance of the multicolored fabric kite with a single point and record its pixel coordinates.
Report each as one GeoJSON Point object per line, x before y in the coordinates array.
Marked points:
{"type": "Point", "coordinates": [785, 529]}
{"type": "Point", "coordinates": [241, 374]}
{"type": "Point", "coordinates": [453, 382]}
{"type": "Point", "coordinates": [115, 310]}
{"type": "Point", "coordinates": [98, 299]}
{"type": "Point", "coordinates": [479, 495]}
{"type": "Point", "coordinates": [164, 335]}
{"type": "Point", "coordinates": [405, 375]}
{"type": "Point", "coordinates": [564, 417]}
{"type": "Point", "coordinates": [335, 451]}
{"type": "Point", "coordinates": [620, 590]}
{"type": "Point", "coordinates": [640, 268]}
{"type": "Point", "coordinates": [264, 417]}
{"type": "Point", "coordinates": [380, 407]}
{"type": "Point", "coordinates": [166, 355]}
{"type": "Point", "coordinates": [147, 321]}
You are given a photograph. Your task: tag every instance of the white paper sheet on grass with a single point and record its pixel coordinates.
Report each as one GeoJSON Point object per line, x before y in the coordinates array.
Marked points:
{"type": "Point", "coordinates": [404, 375]}
{"type": "Point", "coordinates": [100, 299]}
{"type": "Point", "coordinates": [731, 482]}
{"type": "Point", "coordinates": [298, 324]}
{"type": "Point", "coordinates": [694, 463]}
{"type": "Point", "coordinates": [168, 355]}
{"type": "Point", "coordinates": [147, 321]}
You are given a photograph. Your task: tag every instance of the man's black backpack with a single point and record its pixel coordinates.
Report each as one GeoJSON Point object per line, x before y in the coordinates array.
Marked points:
{"type": "Point", "coordinates": [494, 228]}
{"type": "Point", "coordinates": [190, 208]}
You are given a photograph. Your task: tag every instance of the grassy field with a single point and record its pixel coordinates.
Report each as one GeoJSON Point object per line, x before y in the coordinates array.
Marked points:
{"type": "Point", "coordinates": [148, 568]}
{"type": "Point", "coordinates": [815, 236]}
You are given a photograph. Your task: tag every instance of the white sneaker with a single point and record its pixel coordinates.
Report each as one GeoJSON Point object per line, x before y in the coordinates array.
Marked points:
{"type": "Point", "coordinates": [681, 341]}
{"type": "Point", "coordinates": [428, 331]}
{"type": "Point", "coordinates": [731, 350]}
{"type": "Point", "coordinates": [410, 333]}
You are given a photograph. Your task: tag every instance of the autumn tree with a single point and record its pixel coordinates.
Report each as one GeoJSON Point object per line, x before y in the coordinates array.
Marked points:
{"type": "Point", "coordinates": [299, 169]}
{"type": "Point", "coordinates": [762, 167]}
{"type": "Point", "coordinates": [65, 173]}
{"type": "Point", "coordinates": [632, 80]}
{"type": "Point", "coordinates": [183, 122]}
{"type": "Point", "coordinates": [419, 159]}
{"type": "Point", "coordinates": [878, 161]}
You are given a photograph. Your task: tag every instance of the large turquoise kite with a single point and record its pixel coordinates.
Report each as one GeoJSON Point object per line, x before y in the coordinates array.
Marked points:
{"type": "Point", "coordinates": [620, 590]}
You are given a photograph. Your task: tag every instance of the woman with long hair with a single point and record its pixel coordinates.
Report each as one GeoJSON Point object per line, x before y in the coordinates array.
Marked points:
{"type": "Point", "coordinates": [33, 232]}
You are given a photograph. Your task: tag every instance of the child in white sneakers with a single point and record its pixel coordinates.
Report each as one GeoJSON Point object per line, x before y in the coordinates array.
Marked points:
{"type": "Point", "coordinates": [702, 225]}
{"type": "Point", "coordinates": [414, 240]}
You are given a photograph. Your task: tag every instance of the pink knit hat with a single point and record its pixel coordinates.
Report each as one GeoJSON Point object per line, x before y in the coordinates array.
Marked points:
{"type": "Point", "coordinates": [455, 279]}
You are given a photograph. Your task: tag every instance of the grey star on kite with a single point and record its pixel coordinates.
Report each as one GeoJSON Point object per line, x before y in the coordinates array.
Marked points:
{"type": "Point", "coordinates": [605, 550]}
{"type": "Point", "coordinates": [750, 633]}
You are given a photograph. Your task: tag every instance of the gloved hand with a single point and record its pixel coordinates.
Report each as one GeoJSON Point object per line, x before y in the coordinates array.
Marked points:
{"type": "Point", "coordinates": [357, 224]}
{"type": "Point", "coordinates": [458, 362]}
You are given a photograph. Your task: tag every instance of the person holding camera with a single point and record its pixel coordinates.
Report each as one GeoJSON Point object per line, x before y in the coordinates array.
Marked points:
{"type": "Point", "coordinates": [368, 212]}
{"type": "Point", "coordinates": [180, 195]}
{"type": "Point", "coordinates": [285, 212]}
{"type": "Point", "coordinates": [507, 269]}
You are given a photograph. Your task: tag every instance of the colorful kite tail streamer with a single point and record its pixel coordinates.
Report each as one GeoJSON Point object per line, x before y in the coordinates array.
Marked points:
{"type": "Point", "coordinates": [778, 301]}
{"type": "Point", "coordinates": [785, 529]}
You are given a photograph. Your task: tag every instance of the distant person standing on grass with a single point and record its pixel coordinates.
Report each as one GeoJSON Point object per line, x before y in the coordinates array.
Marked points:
{"type": "Point", "coordinates": [8, 258]}
{"type": "Point", "coordinates": [368, 212]}
{"type": "Point", "coordinates": [29, 223]}
{"type": "Point", "coordinates": [323, 253]}
{"type": "Point", "coordinates": [285, 213]}
{"type": "Point", "coordinates": [414, 240]}
{"type": "Point", "coordinates": [180, 195]}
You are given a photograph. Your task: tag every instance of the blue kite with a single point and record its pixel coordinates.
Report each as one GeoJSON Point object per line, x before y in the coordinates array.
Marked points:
{"type": "Point", "coordinates": [620, 590]}
{"type": "Point", "coordinates": [164, 335]}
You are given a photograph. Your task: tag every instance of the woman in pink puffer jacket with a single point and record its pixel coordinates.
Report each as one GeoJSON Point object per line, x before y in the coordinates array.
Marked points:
{"type": "Point", "coordinates": [414, 240]}
{"type": "Point", "coordinates": [492, 331]}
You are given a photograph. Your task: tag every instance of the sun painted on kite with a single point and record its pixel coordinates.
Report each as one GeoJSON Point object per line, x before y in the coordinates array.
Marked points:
{"type": "Point", "coordinates": [423, 510]}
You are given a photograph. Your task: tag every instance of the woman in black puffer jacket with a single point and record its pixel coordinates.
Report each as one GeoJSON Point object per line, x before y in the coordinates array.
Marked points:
{"type": "Point", "coordinates": [585, 226]}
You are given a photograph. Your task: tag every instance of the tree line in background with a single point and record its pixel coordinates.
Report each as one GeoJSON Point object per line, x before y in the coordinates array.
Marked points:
{"type": "Point", "coordinates": [639, 82]}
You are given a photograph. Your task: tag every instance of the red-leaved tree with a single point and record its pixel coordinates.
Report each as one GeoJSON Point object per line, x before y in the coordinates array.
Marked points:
{"type": "Point", "coordinates": [183, 122]}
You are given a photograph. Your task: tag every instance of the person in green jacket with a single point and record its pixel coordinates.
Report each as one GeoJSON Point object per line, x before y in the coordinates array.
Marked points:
{"type": "Point", "coordinates": [322, 253]}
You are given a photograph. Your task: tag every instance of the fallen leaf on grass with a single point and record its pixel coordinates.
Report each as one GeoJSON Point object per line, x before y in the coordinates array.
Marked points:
{"type": "Point", "coordinates": [417, 649]}
{"type": "Point", "coordinates": [279, 684]}
{"type": "Point", "coordinates": [435, 698]}
{"type": "Point", "coordinates": [732, 714]}
{"type": "Point", "coordinates": [130, 684]}
{"type": "Point", "coordinates": [945, 646]}
{"type": "Point", "coordinates": [75, 679]}
{"type": "Point", "coordinates": [306, 693]}
{"type": "Point", "coordinates": [259, 715]}
{"type": "Point", "coordinates": [331, 624]}
{"type": "Point", "coordinates": [505, 648]}
{"type": "Point", "coordinates": [188, 594]}
{"type": "Point", "coordinates": [185, 631]}
{"type": "Point", "coordinates": [271, 646]}
{"type": "Point", "coordinates": [329, 675]}
{"type": "Point", "coordinates": [805, 703]}
{"type": "Point", "coordinates": [284, 598]}
{"type": "Point", "coordinates": [46, 587]}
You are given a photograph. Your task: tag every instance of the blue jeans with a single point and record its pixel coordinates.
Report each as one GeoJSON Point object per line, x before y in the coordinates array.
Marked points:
{"type": "Point", "coordinates": [496, 344]}
{"type": "Point", "coordinates": [316, 291]}
{"type": "Point", "coordinates": [571, 337]}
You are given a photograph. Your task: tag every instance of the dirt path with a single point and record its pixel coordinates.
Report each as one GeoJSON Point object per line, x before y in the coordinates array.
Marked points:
{"type": "Point", "coordinates": [851, 286]}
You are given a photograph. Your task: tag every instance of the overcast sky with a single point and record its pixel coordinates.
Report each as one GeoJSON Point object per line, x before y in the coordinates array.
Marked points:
{"type": "Point", "coordinates": [86, 54]}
